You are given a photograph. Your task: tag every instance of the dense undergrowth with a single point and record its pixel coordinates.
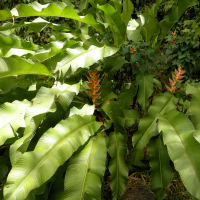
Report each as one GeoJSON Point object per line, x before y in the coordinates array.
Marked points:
{"type": "Point", "coordinates": [93, 92]}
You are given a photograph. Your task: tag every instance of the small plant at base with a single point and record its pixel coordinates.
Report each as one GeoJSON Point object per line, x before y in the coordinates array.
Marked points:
{"type": "Point", "coordinates": [176, 78]}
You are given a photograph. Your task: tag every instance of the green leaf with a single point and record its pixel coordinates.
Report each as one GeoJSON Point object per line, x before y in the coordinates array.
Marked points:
{"type": "Point", "coordinates": [127, 11]}
{"type": "Point", "coordinates": [52, 150]}
{"type": "Point", "coordinates": [149, 26]}
{"type": "Point", "coordinates": [86, 170]}
{"type": "Point", "coordinates": [35, 114]}
{"type": "Point", "coordinates": [173, 17]}
{"type": "Point", "coordinates": [116, 24]}
{"type": "Point", "coordinates": [157, 83]}
{"type": "Point", "coordinates": [133, 32]}
{"type": "Point", "coordinates": [114, 63]}
{"type": "Point", "coordinates": [85, 110]}
{"type": "Point", "coordinates": [115, 113]}
{"type": "Point", "coordinates": [125, 98]}
{"type": "Point", "coordinates": [3, 170]}
{"type": "Point", "coordinates": [8, 68]}
{"type": "Point", "coordinates": [194, 106]}
{"type": "Point", "coordinates": [117, 166]}
{"type": "Point", "coordinates": [11, 118]}
{"type": "Point", "coordinates": [74, 58]}
{"type": "Point", "coordinates": [148, 126]}
{"type": "Point", "coordinates": [182, 147]}
{"type": "Point", "coordinates": [131, 117]}
{"type": "Point", "coordinates": [160, 162]}
{"type": "Point", "coordinates": [145, 82]}
{"type": "Point", "coordinates": [53, 9]}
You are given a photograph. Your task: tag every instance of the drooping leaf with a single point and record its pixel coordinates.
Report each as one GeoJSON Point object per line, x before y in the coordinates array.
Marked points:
{"type": "Point", "coordinates": [8, 68]}
{"type": "Point", "coordinates": [145, 82]}
{"type": "Point", "coordinates": [182, 147]}
{"type": "Point", "coordinates": [160, 162]}
{"type": "Point", "coordinates": [86, 170]}
{"type": "Point", "coordinates": [113, 110]}
{"type": "Point", "coordinates": [148, 126]}
{"type": "Point", "coordinates": [117, 166]}
{"type": "Point", "coordinates": [56, 146]}
{"type": "Point", "coordinates": [74, 58]}
{"type": "Point", "coordinates": [11, 118]}
{"type": "Point", "coordinates": [35, 114]}
{"type": "Point", "coordinates": [131, 117]}
{"type": "Point", "coordinates": [116, 24]}
{"type": "Point", "coordinates": [53, 9]}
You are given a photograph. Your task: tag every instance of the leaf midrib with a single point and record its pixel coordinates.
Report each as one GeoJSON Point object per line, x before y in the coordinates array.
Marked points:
{"type": "Point", "coordinates": [45, 157]}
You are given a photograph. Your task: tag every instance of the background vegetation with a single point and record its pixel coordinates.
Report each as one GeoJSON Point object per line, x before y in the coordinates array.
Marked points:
{"type": "Point", "coordinates": [93, 92]}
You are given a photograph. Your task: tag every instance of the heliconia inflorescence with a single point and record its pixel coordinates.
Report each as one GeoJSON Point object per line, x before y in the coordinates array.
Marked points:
{"type": "Point", "coordinates": [176, 78]}
{"type": "Point", "coordinates": [93, 85]}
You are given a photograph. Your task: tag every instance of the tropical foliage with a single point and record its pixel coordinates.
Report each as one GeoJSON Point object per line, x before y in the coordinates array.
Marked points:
{"type": "Point", "coordinates": [77, 91]}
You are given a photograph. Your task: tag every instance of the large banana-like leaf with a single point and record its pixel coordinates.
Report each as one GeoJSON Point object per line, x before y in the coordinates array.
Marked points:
{"type": "Point", "coordinates": [115, 22]}
{"type": "Point", "coordinates": [53, 9]}
{"type": "Point", "coordinates": [75, 58]}
{"type": "Point", "coordinates": [56, 146]}
{"type": "Point", "coordinates": [148, 126]}
{"type": "Point", "coordinates": [182, 147]}
{"type": "Point", "coordinates": [113, 110]}
{"type": "Point", "coordinates": [194, 106]}
{"type": "Point", "coordinates": [173, 17]}
{"type": "Point", "coordinates": [11, 118]}
{"type": "Point", "coordinates": [44, 102]}
{"type": "Point", "coordinates": [15, 66]}
{"type": "Point", "coordinates": [160, 162]}
{"type": "Point", "coordinates": [145, 82]}
{"type": "Point", "coordinates": [117, 167]}
{"type": "Point", "coordinates": [86, 170]}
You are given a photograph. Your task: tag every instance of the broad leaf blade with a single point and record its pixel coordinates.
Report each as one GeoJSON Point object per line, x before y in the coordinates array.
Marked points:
{"type": "Point", "coordinates": [74, 58]}
{"type": "Point", "coordinates": [145, 82]}
{"type": "Point", "coordinates": [52, 9]}
{"type": "Point", "coordinates": [182, 147]}
{"type": "Point", "coordinates": [35, 114]}
{"type": "Point", "coordinates": [131, 117]}
{"type": "Point", "coordinates": [148, 126]}
{"type": "Point", "coordinates": [160, 162]}
{"type": "Point", "coordinates": [116, 24]}
{"type": "Point", "coordinates": [117, 167]}
{"type": "Point", "coordinates": [113, 110]}
{"type": "Point", "coordinates": [11, 118]}
{"type": "Point", "coordinates": [194, 106]}
{"type": "Point", "coordinates": [53, 149]}
{"type": "Point", "coordinates": [15, 66]}
{"type": "Point", "coordinates": [86, 170]}
{"type": "Point", "coordinates": [127, 11]}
